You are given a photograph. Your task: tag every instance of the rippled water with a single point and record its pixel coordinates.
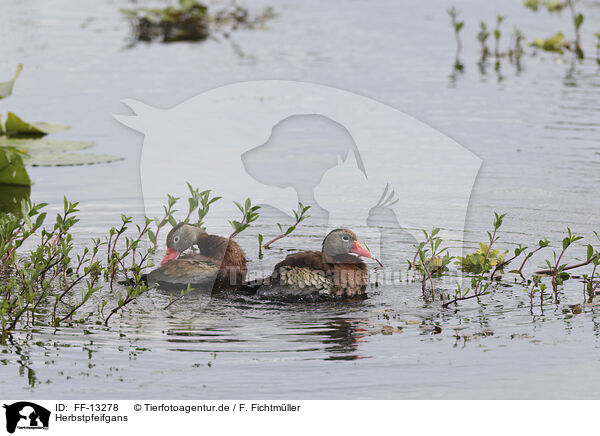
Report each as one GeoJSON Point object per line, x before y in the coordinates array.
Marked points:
{"type": "Point", "coordinates": [537, 132]}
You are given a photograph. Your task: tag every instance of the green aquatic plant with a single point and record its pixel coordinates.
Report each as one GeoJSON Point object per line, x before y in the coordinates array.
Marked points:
{"type": "Point", "coordinates": [558, 270]}
{"type": "Point", "coordinates": [478, 287]}
{"type": "Point", "coordinates": [260, 241]}
{"type": "Point", "coordinates": [543, 243]}
{"type": "Point", "coordinates": [190, 20]}
{"type": "Point", "coordinates": [167, 218]}
{"type": "Point", "coordinates": [501, 264]}
{"type": "Point", "coordinates": [482, 260]}
{"type": "Point", "coordinates": [597, 35]}
{"type": "Point", "coordinates": [299, 215]}
{"type": "Point", "coordinates": [199, 202]}
{"type": "Point", "coordinates": [535, 285]}
{"type": "Point", "coordinates": [431, 260]}
{"type": "Point", "coordinates": [557, 6]}
{"type": "Point", "coordinates": [482, 37]}
{"type": "Point", "coordinates": [497, 35]}
{"type": "Point", "coordinates": [556, 43]}
{"type": "Point", "coordinates": [249, 215]}
{"type": "Point", "coordinates": [44, 277]}
{"type": "Point", "coordinates": [457, 26]}
{"type": "Point", "coordinates": [592, 282]}
{"type": "Point", "coordinates": [516, 49]}
{"type": "Point", "coordinates": [6, 88]}
{"type": "Point", "coordinates": [21, 144]}
{"type": "Point", "coordinates": [12, 168]}
{"type": "Point", "coordinates": [186, 22]}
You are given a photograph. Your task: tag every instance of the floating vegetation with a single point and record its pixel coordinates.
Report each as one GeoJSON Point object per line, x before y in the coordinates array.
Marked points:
{"type": "Point", "coordinates": [12, 169]}
{"type": "Point", "coordinates": [482, 265]}
{"type": "Point", "coordinates": [15, 127]}
{"type": "Point", "coordinates": [556, 43]}
{"type": "Point", "coordinates": [21, 144]}
{"type": "Point", "coordinates": [557, 6]}
{"type": "Point", "coordinates": [483, 260]}
{"type": "Point", "coordinates": [6, 88]}
{"type": "Point", "coordinates": [190, 20]}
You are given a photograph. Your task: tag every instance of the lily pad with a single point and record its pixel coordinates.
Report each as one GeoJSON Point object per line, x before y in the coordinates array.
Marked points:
{"type": "Point", "coordinates": [15, 126]}
{"type": "Point", "coordinates": [48, 159]}
{"type": "Point", "coordinates": [6, 88]}
{"type": "Point", "coordinates": [34, 145]}
{"type": "Point", "coordinates": [12, 169]}
{"type": "Point", "coordinates": [11, 196]}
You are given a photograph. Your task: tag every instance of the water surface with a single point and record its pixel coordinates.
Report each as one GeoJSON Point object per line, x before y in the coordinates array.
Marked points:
{"type": "Point", "coordinates": [536, 130]}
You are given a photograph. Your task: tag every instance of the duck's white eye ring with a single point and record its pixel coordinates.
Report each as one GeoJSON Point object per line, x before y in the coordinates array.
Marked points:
{"type": "Point", "coordinates": [346, 238]}
{"type": "Point", "coordinates": [176, 239]}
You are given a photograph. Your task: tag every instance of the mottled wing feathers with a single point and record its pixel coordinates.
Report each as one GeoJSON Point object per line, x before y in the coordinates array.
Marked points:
{"type": "Point", "coordinates": [186, 270]}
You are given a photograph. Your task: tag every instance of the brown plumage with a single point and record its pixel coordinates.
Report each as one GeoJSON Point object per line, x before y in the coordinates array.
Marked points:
{"type": "Point", "coordinates": [221, 262]}
{"type": "Point", "coordinates": [334, 271]}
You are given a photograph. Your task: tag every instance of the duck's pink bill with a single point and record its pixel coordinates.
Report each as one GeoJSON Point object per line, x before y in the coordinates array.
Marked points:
{"type": "Point", "coordinates": [171, 254]}
{"type": "Point", "coordinates": [360, 250]}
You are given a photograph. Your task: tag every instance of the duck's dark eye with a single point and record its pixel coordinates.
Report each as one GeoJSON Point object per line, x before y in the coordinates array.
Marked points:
{"type": "Point", "coordinates": [176, 239]}
{"type": "Point", "coordinates": [346, 238]}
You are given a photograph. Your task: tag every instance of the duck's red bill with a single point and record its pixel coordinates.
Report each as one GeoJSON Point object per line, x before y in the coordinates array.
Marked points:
{"type": "Point", "coordinates": [171, 254]}
{"type": "Point", "coordinates": [361, 251]}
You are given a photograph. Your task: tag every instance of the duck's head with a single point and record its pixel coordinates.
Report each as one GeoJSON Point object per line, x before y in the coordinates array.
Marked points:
{"type": "Point", "coordinates": [180, 238]}
{"type": "Point", "coordinates": [341, 242]}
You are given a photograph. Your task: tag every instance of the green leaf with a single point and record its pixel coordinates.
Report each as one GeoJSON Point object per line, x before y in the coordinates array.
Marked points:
{"type": "Point", "coordinates": [32, 145]}
{"type": "Point", "coordinates": [6, 88]}
{"type": "Point", "coordinates": [12, 169]}
{"type": "Point", "coordinates": [532, 4]}
{"type": "Point", "coordinates": [555, 43]}
{"type": "Point", "coordinates": [15, 126]}
{"type": "Point", "coordinates": [67, 159]}
{"type": "Point", "coordinates": [11, 197]}
{"type": "Point", "coordinates": [578, 20]}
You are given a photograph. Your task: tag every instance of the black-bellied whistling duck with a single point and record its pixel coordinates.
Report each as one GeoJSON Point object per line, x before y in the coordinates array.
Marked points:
{"type": "Point", "coordinates": [334, 271]}
{"type": "Point", "coordinates": [221, 262]}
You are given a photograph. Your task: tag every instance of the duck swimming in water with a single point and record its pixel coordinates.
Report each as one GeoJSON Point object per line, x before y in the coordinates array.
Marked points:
{"type": "Point", "coordinates": [221, 262]}
{"type": "Point", "coordinates": [335, 271]}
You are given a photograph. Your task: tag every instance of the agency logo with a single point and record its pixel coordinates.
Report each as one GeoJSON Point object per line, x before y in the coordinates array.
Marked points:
{"type": "Point", "coordinates": [26, 415]}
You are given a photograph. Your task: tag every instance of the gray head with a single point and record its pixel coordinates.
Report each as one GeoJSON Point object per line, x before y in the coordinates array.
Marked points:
{"type": "Point", "coordinates": [180, 238]}
{"type": "Point", "coordinates": [341, 242]}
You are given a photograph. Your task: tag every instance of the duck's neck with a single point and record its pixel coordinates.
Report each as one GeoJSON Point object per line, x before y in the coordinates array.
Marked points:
{"type": "Point", "coordinates": [340, 258]}
{"type": "Point", "coordinates": [212, 246]}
